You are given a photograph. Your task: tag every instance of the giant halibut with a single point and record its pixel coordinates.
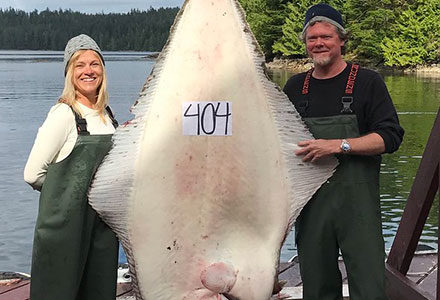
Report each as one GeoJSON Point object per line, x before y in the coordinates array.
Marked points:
{"type": "Point", "coordinates": [202, 213]}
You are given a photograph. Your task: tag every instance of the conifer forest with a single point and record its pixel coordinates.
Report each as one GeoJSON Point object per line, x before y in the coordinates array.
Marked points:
{"type": "Point", "coordinates": [398, 33]}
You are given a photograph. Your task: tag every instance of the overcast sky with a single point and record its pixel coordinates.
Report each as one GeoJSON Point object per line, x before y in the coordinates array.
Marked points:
{"type": "Point", "coordinates": [89, 6]}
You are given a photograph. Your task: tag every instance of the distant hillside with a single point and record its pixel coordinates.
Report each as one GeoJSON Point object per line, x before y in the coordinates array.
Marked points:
{"type": "Point", "coordinates": [50, 30]}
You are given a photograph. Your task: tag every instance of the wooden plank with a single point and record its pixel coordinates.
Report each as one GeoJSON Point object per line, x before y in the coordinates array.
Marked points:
{"type": "Point", "coordinates": [421, 267]}
{"type": "Point", "coordinates": [6, 288]}
{"type": "Point", "coordinates": [123, 289]}
{"type": "Point", "coordinates": [429, 284]}
{"type": "Point", "coordinates": [418, 205]}
{"type": "Point", "coordinates": [291, 275]}
{"type": "Point", "coordinates": [399, 287]}
{"type": "Point", "coordinates": [19, 293]}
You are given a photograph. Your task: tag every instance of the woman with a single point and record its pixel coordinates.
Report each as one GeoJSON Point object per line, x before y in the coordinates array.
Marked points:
{"type": "Point", "coordinates": [74, 254]}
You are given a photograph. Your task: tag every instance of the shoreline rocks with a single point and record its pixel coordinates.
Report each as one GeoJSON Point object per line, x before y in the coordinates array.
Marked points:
{"type": "Point", "coordinates": [304, 64]}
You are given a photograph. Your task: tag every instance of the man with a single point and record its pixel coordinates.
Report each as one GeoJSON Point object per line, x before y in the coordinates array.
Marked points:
{"type": "Point", "coordinates": [350, 113]}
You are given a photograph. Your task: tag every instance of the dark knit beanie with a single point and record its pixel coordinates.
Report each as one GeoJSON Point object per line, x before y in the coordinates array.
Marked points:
{"type": "Point", "coordinates": [323, 12]}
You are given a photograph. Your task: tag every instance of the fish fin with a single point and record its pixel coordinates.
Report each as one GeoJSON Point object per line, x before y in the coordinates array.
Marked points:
{"type": "Point", "coordinates": [112, 185]}
{"type": "Point", "coordinates": [291, 129]}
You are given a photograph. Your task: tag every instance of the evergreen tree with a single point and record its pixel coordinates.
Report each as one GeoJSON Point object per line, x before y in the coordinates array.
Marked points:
{"type": "Point", "coordinates": [265, 17]}
{"type": "Point", "coordinates": [369, 22]}
{"type": "Point", "coordinates": [50, 30]}
{"type": "Point", "coordinates": [415, 39]}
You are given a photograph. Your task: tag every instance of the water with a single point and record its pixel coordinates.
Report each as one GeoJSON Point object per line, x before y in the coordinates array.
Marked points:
{"type": "Point", "coordinates": [31, 81]}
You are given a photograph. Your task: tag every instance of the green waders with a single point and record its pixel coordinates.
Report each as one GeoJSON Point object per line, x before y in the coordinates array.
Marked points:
{"type": "Point", "coordinates": [344, 214]}
{"type": "Point", "coordinates": [75, 254]}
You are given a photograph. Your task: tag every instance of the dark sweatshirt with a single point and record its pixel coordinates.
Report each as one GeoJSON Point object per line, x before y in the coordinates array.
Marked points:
{"type": "Point", "coordinates": [372, 103]}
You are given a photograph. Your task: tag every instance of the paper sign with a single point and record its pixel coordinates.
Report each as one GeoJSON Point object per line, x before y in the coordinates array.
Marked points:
{"type": "Point", "coordinates": [207, 118]}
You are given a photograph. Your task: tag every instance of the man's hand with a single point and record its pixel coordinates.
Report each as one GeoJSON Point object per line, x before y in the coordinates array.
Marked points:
{"type": "Point", "coordinates": [314, 150]}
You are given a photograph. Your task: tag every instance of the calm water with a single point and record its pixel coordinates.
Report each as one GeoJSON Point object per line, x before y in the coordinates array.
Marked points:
{"type": "Point", "coordinates": [31, 81]}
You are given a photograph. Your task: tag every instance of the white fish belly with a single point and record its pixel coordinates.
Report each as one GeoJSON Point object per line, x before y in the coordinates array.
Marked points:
{"type": "Point", "coordinates": [187, 201]}
{"type": "Point", "coordinates": [210, 198]}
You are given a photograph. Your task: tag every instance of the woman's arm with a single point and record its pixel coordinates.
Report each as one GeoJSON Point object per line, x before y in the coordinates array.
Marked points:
{"type": "Point", "coordinates": [51, 137]}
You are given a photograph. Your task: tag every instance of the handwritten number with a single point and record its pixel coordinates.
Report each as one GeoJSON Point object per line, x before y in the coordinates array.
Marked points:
{"type": "Point", "coordinates": [208, 113]}
{"type": "Point", "coordinates": [226, 115]}
{"type": "Point", "coordinates": [214, 112]}
{"type": "Point", "coordinates": [186, 114]}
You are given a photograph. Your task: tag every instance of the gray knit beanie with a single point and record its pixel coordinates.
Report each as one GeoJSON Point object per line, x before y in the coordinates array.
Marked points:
{"type": "Point", "coordinates": [79, 42]}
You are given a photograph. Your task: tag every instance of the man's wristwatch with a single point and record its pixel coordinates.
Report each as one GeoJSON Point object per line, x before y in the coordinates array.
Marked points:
{"type": "Point", "coordinates": [345, 146]}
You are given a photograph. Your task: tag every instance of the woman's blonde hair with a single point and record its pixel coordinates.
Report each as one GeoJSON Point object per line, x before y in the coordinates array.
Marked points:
{"type": "Point", "coordinates": [69, 93]}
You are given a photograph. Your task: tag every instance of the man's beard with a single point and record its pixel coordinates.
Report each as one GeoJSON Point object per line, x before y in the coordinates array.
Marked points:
{"type": "Point", "coordinates": [322, 61]}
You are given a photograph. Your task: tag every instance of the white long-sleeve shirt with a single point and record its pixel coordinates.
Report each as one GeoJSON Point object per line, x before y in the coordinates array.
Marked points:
{"type": "Point", "coordinates": [57, 137]}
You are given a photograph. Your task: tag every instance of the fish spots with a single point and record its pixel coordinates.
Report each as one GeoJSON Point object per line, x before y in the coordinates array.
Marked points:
{"type": "Point", "coordinates": [175, 246]}
{"type": "Point", "coordinates": [224, 14]}
{"type": "Point", "coordinates": [205, 237]}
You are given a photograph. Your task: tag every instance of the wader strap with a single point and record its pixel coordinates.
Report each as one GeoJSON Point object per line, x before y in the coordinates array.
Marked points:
{"type": "Point", "coordinates": [112, 117]}
{"type": "Point", "coordinates": [81, 124]}
{"type": "Point", "coordinates": [305, 90]}
{"type": "Point", "coordinates": [347, 99]}
{"type": "Point", "coordinates": [303, 105]}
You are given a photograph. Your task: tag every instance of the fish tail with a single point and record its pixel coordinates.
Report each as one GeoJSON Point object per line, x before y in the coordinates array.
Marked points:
{"type": "Point", "coordinates": [219, 277]}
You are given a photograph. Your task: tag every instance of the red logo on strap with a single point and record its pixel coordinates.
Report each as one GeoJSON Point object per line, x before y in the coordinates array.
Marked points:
{"type": "Point", "coordinates": [351, 79]}
{"type": "Point", "coordinates": [305, 89]}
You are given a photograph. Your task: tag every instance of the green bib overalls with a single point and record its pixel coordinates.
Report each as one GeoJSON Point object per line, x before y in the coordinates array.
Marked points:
{"type": "Point", "coordinates": [343, 214]}
{"type": "Point", "coordinates": [75, 254]}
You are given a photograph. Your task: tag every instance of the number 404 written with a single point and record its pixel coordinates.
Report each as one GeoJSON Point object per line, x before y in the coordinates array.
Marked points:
{"type": "Point", "coordinates": [207, 118]}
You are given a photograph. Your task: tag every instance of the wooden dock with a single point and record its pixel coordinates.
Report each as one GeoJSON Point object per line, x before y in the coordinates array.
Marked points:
{"type": "Point", "coordinates": [18, 289]}
{"type": "Point", "coordinates": [423, 273]}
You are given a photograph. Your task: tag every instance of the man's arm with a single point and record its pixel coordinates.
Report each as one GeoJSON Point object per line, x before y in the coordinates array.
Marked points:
{"type": "Point", "coordinates": [313, 150]}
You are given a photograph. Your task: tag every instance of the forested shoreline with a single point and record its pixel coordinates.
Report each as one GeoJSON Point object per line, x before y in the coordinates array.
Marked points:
{"type": "Point", "coordinates": [50, 30]}
{"type": "Point", "coordinates": [395, 33]}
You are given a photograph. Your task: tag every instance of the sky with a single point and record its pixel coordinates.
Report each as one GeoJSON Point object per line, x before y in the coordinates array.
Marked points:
{"type": "Point", "coordinates": [89, 6]}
